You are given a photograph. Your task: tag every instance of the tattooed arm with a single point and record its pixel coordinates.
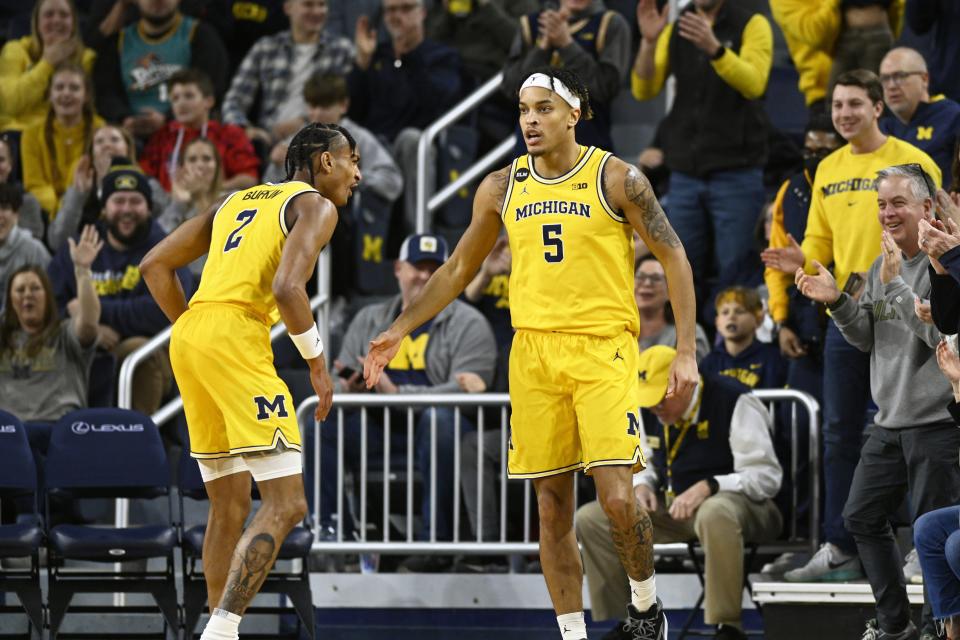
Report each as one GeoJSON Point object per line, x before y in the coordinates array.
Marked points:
{"type": "Point", "coordinates": [628, 191]}
{"type": "Point", "coordinates": [450, 279]}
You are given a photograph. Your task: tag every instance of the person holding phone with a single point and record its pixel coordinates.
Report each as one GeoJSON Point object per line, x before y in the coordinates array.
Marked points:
{"type": "Point", "coordinates": [843, 230]}
{"type": "Point", "coordinates": [911, 449]}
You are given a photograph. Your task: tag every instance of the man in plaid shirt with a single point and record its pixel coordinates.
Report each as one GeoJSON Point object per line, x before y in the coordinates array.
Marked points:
{"type": "Point", "coordinates": [276, 69]}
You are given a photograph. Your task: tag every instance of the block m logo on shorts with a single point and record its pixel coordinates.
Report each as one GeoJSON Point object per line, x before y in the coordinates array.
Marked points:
{"type": "Point", "coordinates": [267, 407]}
{"type": "Point", "coordinates": [633, 423]}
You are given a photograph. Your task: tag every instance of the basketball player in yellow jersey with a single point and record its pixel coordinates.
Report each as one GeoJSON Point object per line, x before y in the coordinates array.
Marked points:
{"type": "Point", "coordinates": [569, 212]}
{"type": "Point", "coordinates": [261, 244]}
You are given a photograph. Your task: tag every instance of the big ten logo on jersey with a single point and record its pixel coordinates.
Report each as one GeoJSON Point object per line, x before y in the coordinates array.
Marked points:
{"type": "Point", "coordinates": [633, 423]}
{"type": "Point", "coordinates": [578, 186]}
{"type": "Point", "coordinates": [266, 408]}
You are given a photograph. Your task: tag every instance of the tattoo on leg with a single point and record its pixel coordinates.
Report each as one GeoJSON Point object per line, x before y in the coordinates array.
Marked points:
{"type": "Point", "coordinates": [640, 192]}
{"type": "Point", "coordinates": [244, 582]}
{"type": "Point", "coordinates": [634, 544]}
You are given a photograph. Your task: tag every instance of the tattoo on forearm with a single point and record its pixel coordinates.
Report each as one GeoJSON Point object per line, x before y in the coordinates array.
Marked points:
{"type": "Point", "coordinates": [634, 544]}
{"type": "Point", "coordinates": [639, 191]}
{"type": "Point", "coordinates": [244, 582]}
{"type": "Point", "coordinates": [499, 180]}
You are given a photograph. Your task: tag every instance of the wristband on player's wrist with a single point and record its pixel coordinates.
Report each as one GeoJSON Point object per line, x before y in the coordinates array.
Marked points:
{"type": "Point", "coordinates": [308, 343]}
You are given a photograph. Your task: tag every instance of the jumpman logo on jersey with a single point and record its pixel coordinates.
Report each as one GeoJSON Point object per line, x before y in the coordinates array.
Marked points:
{"type": "Point", "coordinates": [617, 355]}
{"type": "Point", "coordinates": [524, 192]}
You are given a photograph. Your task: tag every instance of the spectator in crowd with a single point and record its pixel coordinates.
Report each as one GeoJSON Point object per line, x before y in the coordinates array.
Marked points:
{"type": "Point", "coordinates": [940, 19]}
{"type": "Point", "coordinates": [715, 136]}
{"type": "Point", "coordinates": [52, 146]}
{"type": "Point", "coordinates": [482, 31]}
{"type": "Point", "coordinates": [912, 447]}
{"type": "Point", "coordinates": [103, 19]}
{"type": "Point", "coordinates": [129, 315]}
{"type": "Point", "coordinates": [580, 35]}
{"type": "Point", "coordinates": [248, 22]}
{"type": "Point", "coordinates": [31, 217]}
{"type": "Point", "coordinates": [275, 70]}
{"type": "Point", "coordinates": [939, 240]}
{"type": "Point", "coordinates": [843, 230]}
{"type": "Point", "coordinates": [799, 323]}
{"type": "Point", "coordinates": [134, 66]}
{"type": "Point", "coordinates": [197, 185]}
{"type": "Point", "coordinates": [18, 247]}
{"type": "Point", "coordinates": [489, 292]}
{"type": "Point", "coordinates": [401, 86]}
{"type": "Point", "coordinates": [715, 486]}
{"type": "Point", "coordinates": [856, 34]}
{"type": "Point", "coordinates": [656, 315]}
{"type": "Point", "coordinates": [45, 362]}
{"type": "Point", "coordinates": [937, 533]}
{"type": "Point", "coordinates": [812, 64]}
{"type": "Point", "coordinates": [454, 352]}
{"type": "Point", "coordinates": [191, 97]}
{"type": "Point", "coordinates": [27, 64]}
{"type": "Point", "coordinates": [328, 100]}
{"type": "Point", "coordinates": [740, 355]}
{"type": "Point", "coordinates": [931, 124]}
{"type": "Point", "coordinates": [80, 204]}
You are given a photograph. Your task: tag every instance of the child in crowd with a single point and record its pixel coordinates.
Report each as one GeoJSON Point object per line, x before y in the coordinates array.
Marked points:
{"type": "Point", "coordinates": [191, 99]}
{"type": "Point", "coordinates": [51, 147]}
{"type": "Point", "coordinates": [740, 355]}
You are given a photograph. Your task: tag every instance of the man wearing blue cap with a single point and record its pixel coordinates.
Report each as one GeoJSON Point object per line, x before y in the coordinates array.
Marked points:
{"type": "Point", "coordinates": [713, 477]}
{"type": "Point", "coordinates": [453, 352]}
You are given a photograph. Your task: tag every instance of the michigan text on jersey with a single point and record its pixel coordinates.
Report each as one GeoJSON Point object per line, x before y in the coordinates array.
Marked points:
{"type": "Point", "coordinates": [545, 207]}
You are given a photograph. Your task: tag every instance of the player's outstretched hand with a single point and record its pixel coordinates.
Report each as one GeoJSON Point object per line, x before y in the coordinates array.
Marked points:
{"type": "Point", "coordinates": [382, 350]}
{"type": "Point", "coordinates": [323, 386]}
{"type": "Point", "coordinates": [683, 376]}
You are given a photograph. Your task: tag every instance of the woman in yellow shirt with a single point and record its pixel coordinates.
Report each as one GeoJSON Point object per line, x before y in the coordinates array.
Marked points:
{"type": "Point", "coordinates": [51, 147]}
{"type": "Point", "coordinates": [27, 64]}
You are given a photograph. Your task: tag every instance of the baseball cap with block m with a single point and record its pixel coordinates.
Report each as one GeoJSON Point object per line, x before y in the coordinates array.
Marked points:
{"type": "Point", "coordinates": [424, 246]}
{"type": "Point", "coordinates": [654, 367]}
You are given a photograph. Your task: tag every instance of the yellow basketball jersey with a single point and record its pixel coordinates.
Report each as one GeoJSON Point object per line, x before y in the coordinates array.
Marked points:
{"type": "Point", "coordinates": [572, 253]}
{"type": "Point", "coordinates": [249, 230]}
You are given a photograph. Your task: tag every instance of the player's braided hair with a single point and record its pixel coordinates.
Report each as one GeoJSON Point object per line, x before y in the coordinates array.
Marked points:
{"type": "Point", "coordinates": [314, 138]}
{"type": "Point", "coordinates": [574, 83]}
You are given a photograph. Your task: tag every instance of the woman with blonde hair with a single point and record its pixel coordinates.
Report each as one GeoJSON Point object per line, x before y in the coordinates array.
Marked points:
{"type": "Point", "coordinates": [51, 147]}
{"type": "Point", "coordinates": [27, 64]}
{"type": "Point", "coordinates": [197, 184]}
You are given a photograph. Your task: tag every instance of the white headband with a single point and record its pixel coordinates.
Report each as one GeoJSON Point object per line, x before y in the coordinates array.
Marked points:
{"type": "Point", "coordinates": [553, 84]}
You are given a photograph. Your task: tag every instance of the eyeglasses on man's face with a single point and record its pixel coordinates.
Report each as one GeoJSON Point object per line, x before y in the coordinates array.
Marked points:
{"type": "Point", "coordinates": [897, 77]}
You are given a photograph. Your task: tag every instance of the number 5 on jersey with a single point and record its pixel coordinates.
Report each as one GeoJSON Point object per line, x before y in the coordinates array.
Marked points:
{"type": "Point", "coordinates": [245, 217]}
{"type": "Point", "coordinates": [552, 242]}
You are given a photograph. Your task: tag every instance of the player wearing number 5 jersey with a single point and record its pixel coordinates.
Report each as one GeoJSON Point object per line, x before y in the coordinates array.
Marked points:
{"type": "Point", "coordinates": [262, 245]}
{"type": "Point", "coordinates": [570, 212]}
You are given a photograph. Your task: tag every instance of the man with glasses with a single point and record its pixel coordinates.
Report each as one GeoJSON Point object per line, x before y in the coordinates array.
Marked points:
{"type": "Point", "coordinates": [930, 123]}
{"type": "Point", "coordinates": [401, 86]}
{"type": "Point", "coordinates": [912, 446]}
{"type": "Point", "coordinates": [843, 230]}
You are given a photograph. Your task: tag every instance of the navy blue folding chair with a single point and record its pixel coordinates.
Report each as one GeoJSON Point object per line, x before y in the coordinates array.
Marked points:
{"type": "Point", "coordinates": [23, 538]}
{"type": "Point", "coordinates": [293, 584]}
{"type": "Point", "coordinates": [109, 453]}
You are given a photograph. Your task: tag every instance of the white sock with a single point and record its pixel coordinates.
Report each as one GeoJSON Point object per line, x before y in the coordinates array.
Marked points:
{"type": "Point", "coordinates": [222, 625]}
{"type": "Point", "coordinates": [643, 593]}
{"type": "Point", "coordinates": [572, 626]}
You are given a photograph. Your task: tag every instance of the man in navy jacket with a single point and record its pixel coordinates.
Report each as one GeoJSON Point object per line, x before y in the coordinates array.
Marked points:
{"type": "Point", "coordinates": [129, 316]}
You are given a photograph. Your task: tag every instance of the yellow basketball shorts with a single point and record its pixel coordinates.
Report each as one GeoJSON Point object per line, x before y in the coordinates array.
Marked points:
{"type": "Point", "coordinates": [574, 400]}
{"type": "Point", "coordinates": [234, 401]}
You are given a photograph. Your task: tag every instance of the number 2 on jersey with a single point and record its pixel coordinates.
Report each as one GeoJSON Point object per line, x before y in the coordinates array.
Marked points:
{"type": "Point", "coordinates": [245, 217]}
{"type": "Point", "coordinates": [553, 242]}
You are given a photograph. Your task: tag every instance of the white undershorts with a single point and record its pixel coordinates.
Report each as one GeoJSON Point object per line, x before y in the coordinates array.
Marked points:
{"type": "Point", "coordinates": [260, 466]}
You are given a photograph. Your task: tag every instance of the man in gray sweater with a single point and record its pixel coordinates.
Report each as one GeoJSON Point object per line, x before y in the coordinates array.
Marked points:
{"type": "Point", "coordinates": [452, 353]}
{"type": "Point", "coordinates": [912, 447]}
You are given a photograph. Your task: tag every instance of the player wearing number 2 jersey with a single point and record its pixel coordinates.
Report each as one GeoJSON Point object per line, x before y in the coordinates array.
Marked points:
{"type": "Point", "coordinates": [570, 212]}
{"type": "Point", "coordinates": [262, 244]}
